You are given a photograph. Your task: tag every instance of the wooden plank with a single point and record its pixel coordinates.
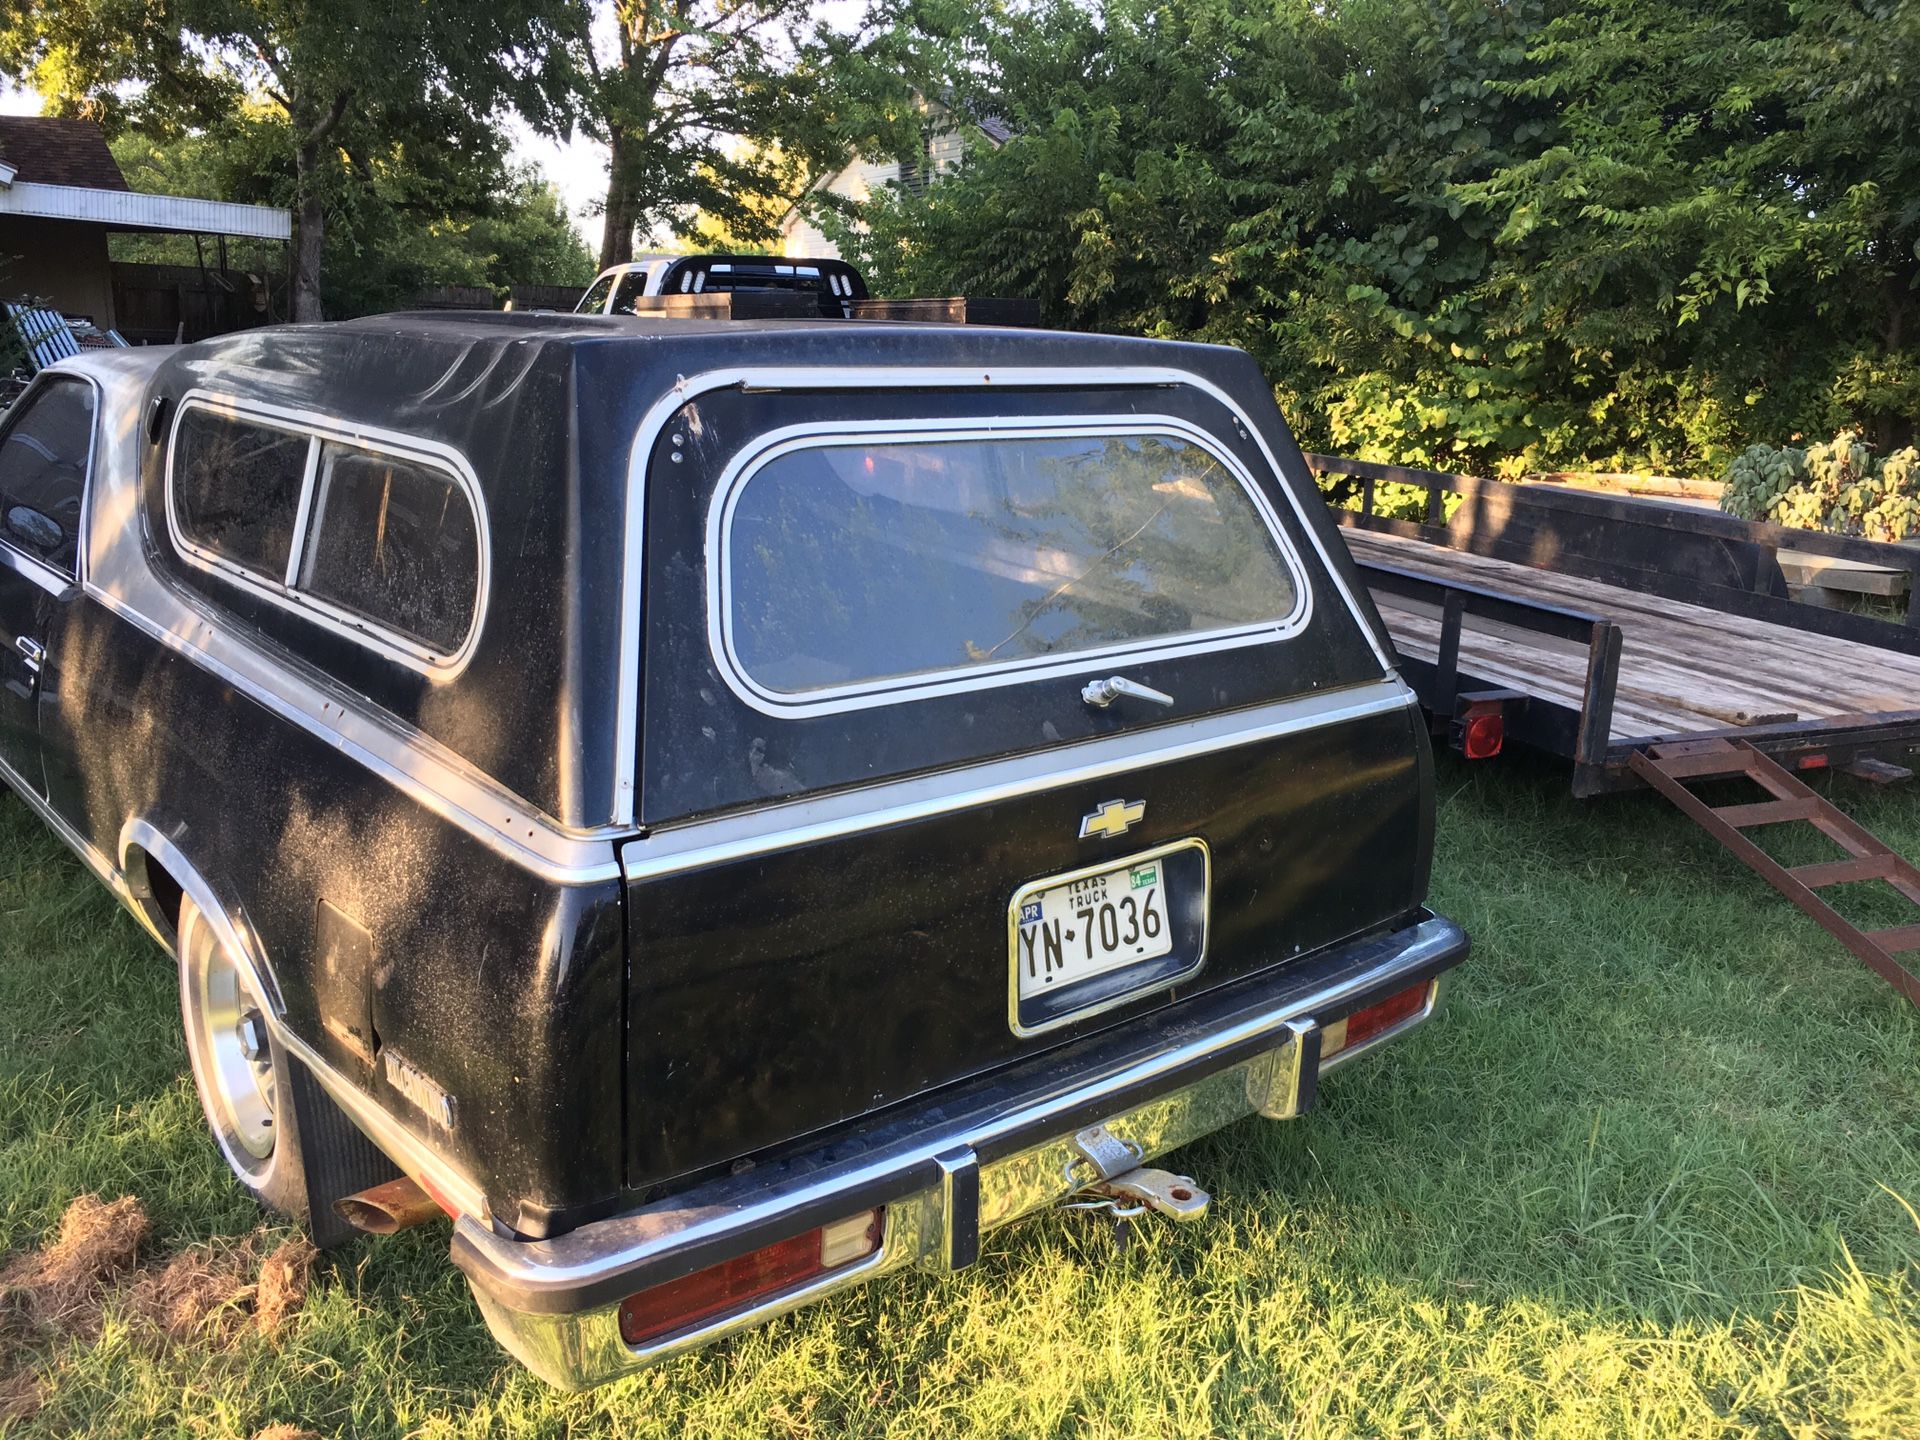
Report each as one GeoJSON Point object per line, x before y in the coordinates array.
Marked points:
{"type": "Point", "coordinates": [1898, 940]}
{"type": "Point", "coordinates": [1767, 812]}
{"type": "Point", "coordinates": [1850, 871]}
{"type": "Point", "coordinates": [1657, 696]}
{"type": "Point", "coordinates": [1853, 576]}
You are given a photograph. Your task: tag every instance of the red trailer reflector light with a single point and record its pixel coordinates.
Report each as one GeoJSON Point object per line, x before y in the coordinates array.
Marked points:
{"type": "Point", "coordinates": [1481, 736]}
{"type": "Point", "coordinates": [1816, 761]}
{"type": "Point", "coordinates": [1362, 1025]}
{"type": "Point", "coordinates": [732, 1285]}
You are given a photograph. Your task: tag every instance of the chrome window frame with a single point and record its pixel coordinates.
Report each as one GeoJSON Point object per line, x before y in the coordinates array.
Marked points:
{"type": "Point", "coordinates": [51, 578]}
{"type": "Point", "coordinates": [883, 379]}
{"type": "Point", "coordinates": [750, 460]}
{"type": "Point", "coordinates": [283, 591]}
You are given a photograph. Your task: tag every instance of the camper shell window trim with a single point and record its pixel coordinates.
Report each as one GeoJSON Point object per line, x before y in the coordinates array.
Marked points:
{"type": "Point", "coordinates": [281, 590]}
{"type": "Point", "coordinates": [866, 694]}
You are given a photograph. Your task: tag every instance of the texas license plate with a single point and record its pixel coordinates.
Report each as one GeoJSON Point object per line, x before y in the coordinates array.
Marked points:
{"type": "Point", "coordinates": [1090, 925]}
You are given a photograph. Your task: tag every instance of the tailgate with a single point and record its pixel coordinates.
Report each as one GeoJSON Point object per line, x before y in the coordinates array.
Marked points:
{"type": "Point", "coordinates": [893, 840]}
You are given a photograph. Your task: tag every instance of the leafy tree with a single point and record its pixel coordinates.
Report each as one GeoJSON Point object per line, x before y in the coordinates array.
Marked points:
{"type": "Point", "coordinates": [498, 226]}
{"type": "Point", "coordinates": [336, 88]}
{"type": "Point", "coordinates": [723, 109]}
{"type": "Point", "coordinates": [1532, 234]}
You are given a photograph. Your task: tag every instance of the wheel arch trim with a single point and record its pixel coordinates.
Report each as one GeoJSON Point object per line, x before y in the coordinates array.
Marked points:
{"type": "Point", "coordinates": [142, 840]}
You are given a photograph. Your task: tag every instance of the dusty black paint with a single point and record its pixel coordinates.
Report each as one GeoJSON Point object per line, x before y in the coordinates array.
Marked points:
{"type": "Point", "coordinates": [776, 998]}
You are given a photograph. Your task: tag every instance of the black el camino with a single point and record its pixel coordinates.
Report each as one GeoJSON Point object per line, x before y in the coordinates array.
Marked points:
{"type": "Point", "coordinates": [724, 810]}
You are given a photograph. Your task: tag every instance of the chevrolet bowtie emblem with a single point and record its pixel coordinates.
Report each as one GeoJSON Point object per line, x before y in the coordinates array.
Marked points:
{"type": "Point", "coordinates": [1116, 817]}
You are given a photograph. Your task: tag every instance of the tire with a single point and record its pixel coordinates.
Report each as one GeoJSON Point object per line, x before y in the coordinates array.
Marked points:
{"type": "Point", "coordinates": [242, 1073]}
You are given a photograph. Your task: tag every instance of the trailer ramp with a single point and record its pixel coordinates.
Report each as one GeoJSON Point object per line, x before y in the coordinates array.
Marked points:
{"type": "Point", "coordinates": [1668, 767]}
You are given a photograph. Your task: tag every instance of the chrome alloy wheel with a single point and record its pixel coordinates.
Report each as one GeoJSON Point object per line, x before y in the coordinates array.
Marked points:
{"type": "Point", "coordinates": [232, 1055]}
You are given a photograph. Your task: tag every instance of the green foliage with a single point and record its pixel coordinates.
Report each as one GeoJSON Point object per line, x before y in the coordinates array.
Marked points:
{"type": "Point", "coordinates": [344, 110]}
{"type": "Point", "coordinates": [427, 218]}
{"type": "Point", "coordinates": [716, 113]}
{"type": "Point", "coordinates": [1543, 234]}
{"type": "Point", "coordinates": [1838, 486]}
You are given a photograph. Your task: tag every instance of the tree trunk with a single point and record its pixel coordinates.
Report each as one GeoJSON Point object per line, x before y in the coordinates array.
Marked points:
{"type": "Point", "coordinates": [616, 240]}
{"type": "Point", "coordinates": [310, 230]}
{"type": "Point", "coordinates": [309, 236]}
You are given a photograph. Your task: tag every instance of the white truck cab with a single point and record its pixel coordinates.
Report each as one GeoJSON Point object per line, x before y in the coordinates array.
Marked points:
{"type": "Point", "coordinates": [614, 290]}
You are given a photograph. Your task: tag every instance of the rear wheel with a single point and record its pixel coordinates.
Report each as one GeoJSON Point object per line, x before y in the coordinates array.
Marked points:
{"type": "Point", "coordinates": [239, 1068]}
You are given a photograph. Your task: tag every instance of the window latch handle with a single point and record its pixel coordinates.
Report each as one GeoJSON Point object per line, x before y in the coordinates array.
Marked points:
{"type": "Point", "coordinates": [1102, 693]}
{"type": "Point", "coordinates": [32, 652]}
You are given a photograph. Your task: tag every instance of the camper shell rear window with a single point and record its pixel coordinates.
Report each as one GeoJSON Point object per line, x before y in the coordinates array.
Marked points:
{"type": "Point", "coordinates": [852, 569]}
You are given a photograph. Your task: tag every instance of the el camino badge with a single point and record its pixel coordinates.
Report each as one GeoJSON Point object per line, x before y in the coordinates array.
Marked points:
{"type": "Point", "coordinates": [1115, 817]}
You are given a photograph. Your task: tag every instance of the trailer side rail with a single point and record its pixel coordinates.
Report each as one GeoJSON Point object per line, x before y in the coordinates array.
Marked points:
{"type": "Point", "coordinates": [1693, 555]}
{"type": "Point", "coordinates": [1441, 685]}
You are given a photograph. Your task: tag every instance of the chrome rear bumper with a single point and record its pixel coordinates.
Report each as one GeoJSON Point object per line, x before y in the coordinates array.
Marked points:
{"type": "Point", "coordinates": [946, 1174]}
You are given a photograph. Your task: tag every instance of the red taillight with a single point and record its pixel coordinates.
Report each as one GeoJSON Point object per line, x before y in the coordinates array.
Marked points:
{"type": "Point", "coordinates": [1481, 736]}
{"type": "Point", "coordinates": [1813, 762]}
{"type": "Point", "coordinates": [734, 1284]}
{"type": "Point", "coordinates": [1363, 1025]}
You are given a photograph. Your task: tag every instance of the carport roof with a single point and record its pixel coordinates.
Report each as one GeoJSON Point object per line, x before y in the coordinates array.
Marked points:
{"type": "Point", "coordinates": [53, 169]}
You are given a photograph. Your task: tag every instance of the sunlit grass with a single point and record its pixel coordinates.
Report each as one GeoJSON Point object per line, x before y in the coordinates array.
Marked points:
{"type": "Point", "coordinates": [1643, 1177]}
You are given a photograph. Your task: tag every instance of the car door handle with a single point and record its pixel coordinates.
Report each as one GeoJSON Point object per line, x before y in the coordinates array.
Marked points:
{"type": "Point", "coordinates": [1102, 693]}
{"type": "Point", "coordinates": [32, 652]}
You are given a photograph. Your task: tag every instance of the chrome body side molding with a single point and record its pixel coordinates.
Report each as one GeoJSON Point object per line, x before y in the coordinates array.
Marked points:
{"type": "Point", "coordinates": [872, 807]}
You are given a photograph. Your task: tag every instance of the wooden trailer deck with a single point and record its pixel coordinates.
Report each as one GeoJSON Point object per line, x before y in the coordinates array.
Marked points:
{"type": "Point", "coordinates": [1658, 645]}
{"type": "Point", "coordinates": [1684, 669]}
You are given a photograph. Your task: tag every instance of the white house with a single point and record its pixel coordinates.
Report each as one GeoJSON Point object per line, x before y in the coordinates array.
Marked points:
{"type": "Point", "coordinates": [860, 178]}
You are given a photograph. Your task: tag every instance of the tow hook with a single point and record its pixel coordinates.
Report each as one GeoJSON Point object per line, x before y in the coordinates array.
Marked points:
{"type": "Point", "coordinates": [1123, 1189]}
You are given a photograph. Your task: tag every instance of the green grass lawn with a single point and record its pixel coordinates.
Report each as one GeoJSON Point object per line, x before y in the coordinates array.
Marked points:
{"type": "Point", "coordinates": [1650, 1174]}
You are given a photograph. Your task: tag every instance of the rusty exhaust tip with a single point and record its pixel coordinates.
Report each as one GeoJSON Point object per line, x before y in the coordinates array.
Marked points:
{"type": "Point", "coordinates": [388, 1209]}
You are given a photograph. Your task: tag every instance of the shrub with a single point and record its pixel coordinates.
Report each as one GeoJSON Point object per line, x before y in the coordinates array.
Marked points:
{"type": "Point", "coordinates": [1837, 486]}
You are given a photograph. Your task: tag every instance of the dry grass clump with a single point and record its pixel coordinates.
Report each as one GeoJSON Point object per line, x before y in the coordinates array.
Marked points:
{"type": "Point", "coordinates": [282, 1287]}
{"type": "Point", "coordinates": [20, 1397]}
{"type": "Point", "coordinates": [214, 1290]}
{"type": "Point", "coordinates": [60, 1285]}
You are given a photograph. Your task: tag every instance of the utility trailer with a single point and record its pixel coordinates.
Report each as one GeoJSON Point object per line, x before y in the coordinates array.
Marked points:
{"type": "Point", "coordinates": [1650, 643]}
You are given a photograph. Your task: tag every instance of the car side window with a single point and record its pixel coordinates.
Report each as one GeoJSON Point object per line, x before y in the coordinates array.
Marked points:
{"type": "Point", "coordinates": [395, 542]}
{"type": "Point", "coordinates": [236, 489]}
{"type": "Point", "coordinates": [633, 285]}
{"type": "Point", "coordinates": [43, 473]}
{"type": "Point", "coordinates": [595, 300]}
